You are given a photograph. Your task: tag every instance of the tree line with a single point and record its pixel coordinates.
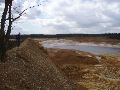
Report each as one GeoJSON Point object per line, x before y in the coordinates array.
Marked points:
{"type": "Point", "coordinates": [109, 35]}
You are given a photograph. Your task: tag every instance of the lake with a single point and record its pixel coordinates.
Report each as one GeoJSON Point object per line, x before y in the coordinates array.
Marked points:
{"type": "Point", "coordinates": [87, 47]}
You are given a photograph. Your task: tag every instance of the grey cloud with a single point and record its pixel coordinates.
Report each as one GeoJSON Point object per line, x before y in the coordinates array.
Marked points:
{"type": "Point", "coordinates": [83, 20]}
{"type": "Point", "coordinates": [2, 1]}
{"type": "Point", "coordinates": [34, 14]}
{"type": "Point", "coordinates": [18, 4]}
{"type": "Point", "coordinates": [115, 17]}
{"type": "Point", "coordinates": [18, 29]}
{"type": "Point", "coordinates": [61, 27]}
{"type": "Point", "coordinates": [112, 1]}
{"type": "Point", "coordinates": [87, 19]}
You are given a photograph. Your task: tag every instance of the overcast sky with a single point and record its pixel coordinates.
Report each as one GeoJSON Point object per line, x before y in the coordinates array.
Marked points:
{"type": "Point", "coordinates": [67, 16]}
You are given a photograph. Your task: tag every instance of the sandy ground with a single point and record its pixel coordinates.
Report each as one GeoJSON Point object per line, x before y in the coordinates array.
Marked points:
{"type": "Point", "coordinates": [29, 67]}
{"type": "Point", "coordinates": [32, 67]}
{"type": "Point", "coordinates": [93, 72]}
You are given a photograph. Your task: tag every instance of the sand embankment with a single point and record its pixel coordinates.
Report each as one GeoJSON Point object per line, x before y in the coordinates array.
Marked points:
{"type": "Point", "coordinates": [28, 67]}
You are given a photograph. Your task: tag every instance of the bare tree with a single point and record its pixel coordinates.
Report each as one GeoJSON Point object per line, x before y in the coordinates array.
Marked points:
{"type": "Point", "coordinates": [2, 31]}
{"type": "Point", "coordinates": [4, 36]}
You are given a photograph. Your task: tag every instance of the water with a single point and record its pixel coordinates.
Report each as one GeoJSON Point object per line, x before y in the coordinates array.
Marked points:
{"type": "Point", "coordinates": [87, 47]}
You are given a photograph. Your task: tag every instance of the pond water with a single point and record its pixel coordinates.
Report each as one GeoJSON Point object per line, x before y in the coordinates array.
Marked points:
{"type": "Point", "coordinates": [87, 47]}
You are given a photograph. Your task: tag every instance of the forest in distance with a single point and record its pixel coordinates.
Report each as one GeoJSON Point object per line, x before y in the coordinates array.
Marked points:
{"type": "Point", "coordinates": [108, 35]}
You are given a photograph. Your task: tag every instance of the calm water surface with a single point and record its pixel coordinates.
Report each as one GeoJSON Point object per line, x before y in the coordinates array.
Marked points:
{"type": "Point", "coordinates": [87, 47]}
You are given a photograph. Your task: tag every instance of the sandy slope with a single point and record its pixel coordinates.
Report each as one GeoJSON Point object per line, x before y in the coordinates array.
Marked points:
{"type": "Point", "coordinates": [28, 67]}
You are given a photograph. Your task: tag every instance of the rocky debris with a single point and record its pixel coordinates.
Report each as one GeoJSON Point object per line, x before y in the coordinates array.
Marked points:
{"type": "Point", "coordinates": [28, 67]}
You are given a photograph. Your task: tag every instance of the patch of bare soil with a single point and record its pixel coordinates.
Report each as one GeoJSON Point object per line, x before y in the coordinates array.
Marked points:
{"type": "Point", "coordinates": [93, 72]}
{"type": "Point", "coordinates": [28, 67]}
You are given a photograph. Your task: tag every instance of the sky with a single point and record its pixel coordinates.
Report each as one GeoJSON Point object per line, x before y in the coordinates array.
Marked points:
{"type": "Point", "coordinates": [66, 16]}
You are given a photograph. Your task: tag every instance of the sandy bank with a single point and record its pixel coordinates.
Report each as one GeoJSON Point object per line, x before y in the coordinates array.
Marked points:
{"type": "Point", "coordinates": [28, 67]}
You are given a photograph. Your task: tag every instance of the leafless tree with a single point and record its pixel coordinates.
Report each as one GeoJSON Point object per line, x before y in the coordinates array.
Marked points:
{"type": "Point", "coordinates": [2, 31]}
{"type": "Point", "coordinates": [5, 35]}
